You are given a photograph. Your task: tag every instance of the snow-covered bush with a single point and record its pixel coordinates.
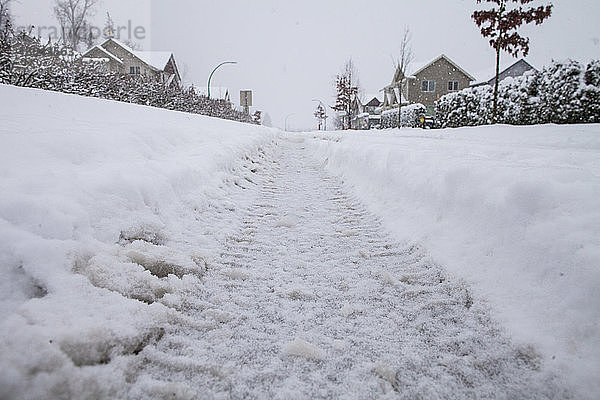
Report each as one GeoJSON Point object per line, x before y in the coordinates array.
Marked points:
{"type": "Point", "coordinates": [563, 93]}
{"type": "Point", "coordinates": [560, 91]}
{"type": "Point", "coordinates": [590, 92]}
{"type": "Point", "coordinates": [469, 107]}
{"type": "Point", "coordinates": [25, 61]}
{"type": "Point", "coordinates": [411, 115]}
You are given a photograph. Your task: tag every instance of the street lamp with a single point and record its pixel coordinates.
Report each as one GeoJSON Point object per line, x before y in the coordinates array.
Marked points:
{"type": "Point", "coordinates": [211, 74]}
{"type": "Point", "coordinates": [325, 109]}
{"type": "Point", "coordinates": [286, 119]}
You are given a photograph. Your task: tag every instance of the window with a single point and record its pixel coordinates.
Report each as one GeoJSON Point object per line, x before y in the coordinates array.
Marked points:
{"type": "Point", "coordinates": [428, 86]}
{"type": "Point", "coordinates": [452, 86]}
{"type": "Point", "coordinates": [134, 70]}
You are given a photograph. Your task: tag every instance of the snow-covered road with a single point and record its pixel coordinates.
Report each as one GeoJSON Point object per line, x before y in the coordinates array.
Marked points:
{"type": "Point", "coordinates": [312, 299]}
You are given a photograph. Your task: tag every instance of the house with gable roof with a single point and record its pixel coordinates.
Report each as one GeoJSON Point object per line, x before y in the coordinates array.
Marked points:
{"type": "Point", "coordinates": [426, 85]}
{"type": "Point", "coordinates": [123, 59]}
{"type": "Point", "coordinates": [365, 113]}
{"type": "Point", "coordinates": [519, 68]}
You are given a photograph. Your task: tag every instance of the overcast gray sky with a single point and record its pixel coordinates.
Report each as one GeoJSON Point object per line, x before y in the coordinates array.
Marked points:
{"type": "Point", "coordinates": [288, 52]}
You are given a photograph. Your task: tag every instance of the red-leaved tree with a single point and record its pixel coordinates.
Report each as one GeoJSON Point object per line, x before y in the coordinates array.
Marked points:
{"type": "Point", "coordinates": [500, 23]}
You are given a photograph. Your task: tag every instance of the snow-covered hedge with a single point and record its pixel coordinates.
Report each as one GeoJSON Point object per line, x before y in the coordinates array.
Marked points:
{"type": "Point", "coordinates": [24, 61]}
{"type": "Point", "coordinates": [564, 93]}
{"type": "Point", "coordinates": [410, 116]}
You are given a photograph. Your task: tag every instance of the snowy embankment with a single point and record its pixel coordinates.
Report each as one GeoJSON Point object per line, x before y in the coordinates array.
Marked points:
{"type": "Point", "coordinates": [109, 213]}
{"type": "Point", "coordinates": [514, 210]}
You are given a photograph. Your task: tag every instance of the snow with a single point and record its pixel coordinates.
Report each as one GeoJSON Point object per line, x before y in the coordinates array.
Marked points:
{"type": "Point", "coordinates": [513, 210]}
{"type": "Point", "coordinates": [301, 348]}
{"type": "Point", "coordinates": [101, 232]}
{"type": "Point", "coordinates": [152, 254]}
{"type": "Point", "coordinates": [156, 59]}
{"type": "Point", "coordinates": [103, 50]}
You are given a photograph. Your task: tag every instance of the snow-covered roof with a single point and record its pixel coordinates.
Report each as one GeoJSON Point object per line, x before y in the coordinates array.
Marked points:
{"type": "Point", "coordinates": [486, 75]}
{"type": "Point", "coordinates": [155, 59]}
{"type": "Point", "coordinates": [447, 59]}
{"type": "Point", "coordinates": [370, 96]}
{"type": "Point", "coordinates": [105, 52]}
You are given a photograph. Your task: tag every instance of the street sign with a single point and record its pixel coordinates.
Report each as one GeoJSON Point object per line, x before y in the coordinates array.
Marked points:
{"type": "Point", "coordinates": [246, 98]}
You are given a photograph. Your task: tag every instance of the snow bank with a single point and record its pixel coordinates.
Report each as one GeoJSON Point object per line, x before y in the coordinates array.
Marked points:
{"type": "Point", "coordinates": [514, 210]}
{"type": "Point", "coordinates": [108, 215]}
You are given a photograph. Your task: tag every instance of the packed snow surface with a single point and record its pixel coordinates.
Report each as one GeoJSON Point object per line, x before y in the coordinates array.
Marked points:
{"type": "Point", "coordinates": [513, 210]}
{"type": "Point", "coordinates": [149, 254]}
{"type": "Point", "coordinates": [101, 232]}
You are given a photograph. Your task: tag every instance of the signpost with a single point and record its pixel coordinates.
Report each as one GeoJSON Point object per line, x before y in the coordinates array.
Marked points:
{"type": "Point", "coordinates": [246, 100]}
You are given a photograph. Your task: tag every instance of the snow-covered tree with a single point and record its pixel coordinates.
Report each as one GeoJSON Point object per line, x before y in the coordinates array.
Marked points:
{"type": "Point", "coordinates": [257, 117]}
{"type": "Point", "coordinates": [346, 85]}
{"type": "Point", "coordinates": [320, 116]}
{"type": "Point", "coordinates": [4, 13]}
{"type": "Point", "coordinates": [267, 120]}
{"type": "Point", "coordinates": [109, 27]}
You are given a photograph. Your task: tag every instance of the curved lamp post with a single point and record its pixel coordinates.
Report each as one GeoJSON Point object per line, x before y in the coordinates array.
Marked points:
{"type": "Point", "coordinates": [213, 71]}
{"type": "Point", "coordinates": [286, 119]}
{"type": "Point", "coordinates": [324, 109]}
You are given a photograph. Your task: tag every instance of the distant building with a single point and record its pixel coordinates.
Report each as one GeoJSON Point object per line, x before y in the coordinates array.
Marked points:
{"type": "Point", "coordinates": [514, 71]}
{"type": "Point", "coordinates": [441, 76]}
{"type": "Point", "coordinates": [366, 113]}
{"type": "Point", "coordinates": [123, 59]}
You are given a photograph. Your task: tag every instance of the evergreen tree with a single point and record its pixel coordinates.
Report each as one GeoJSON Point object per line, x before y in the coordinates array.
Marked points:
{"type": "Point", "coordinates": [320, 115]}
{"type": "Point", "coordinates": [256, 117]}
{"type": "Point", "coordinates": [109, 27]}
{"type": "Point", "coordinates": [346, 85]}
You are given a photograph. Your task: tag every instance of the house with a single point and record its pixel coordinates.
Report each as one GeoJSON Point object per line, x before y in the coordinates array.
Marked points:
{"type": "Point", "coordinates": [392, 94]}
{"type": "Point", "coordinates": [123, 59]}
{"type": "Point", "coordinates": [426, 85]}
{"type": "Point", "coordinates": [517, 69]}
{"type": "Point", "coordinates": [366, 112]}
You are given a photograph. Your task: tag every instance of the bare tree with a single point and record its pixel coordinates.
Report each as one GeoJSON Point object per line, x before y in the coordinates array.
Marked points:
{"type": "Point", "coordinates": [402, 63]}
{"type": "Point", "coordinates": [4, 12]}
{"type": "Point", "coordinates": [72, 15]}
{"type": "Point", "coordinates": [500, 24]}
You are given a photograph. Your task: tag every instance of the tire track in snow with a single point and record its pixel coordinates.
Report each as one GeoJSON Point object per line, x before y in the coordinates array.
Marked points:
{"type": "Point", "coordinates": [312, 299]}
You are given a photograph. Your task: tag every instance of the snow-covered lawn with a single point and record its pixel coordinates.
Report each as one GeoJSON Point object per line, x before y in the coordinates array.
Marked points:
{"type": "Point", "coordinates": [99, 200]}
{"type": "Point", "coordinates": [514, 210]}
